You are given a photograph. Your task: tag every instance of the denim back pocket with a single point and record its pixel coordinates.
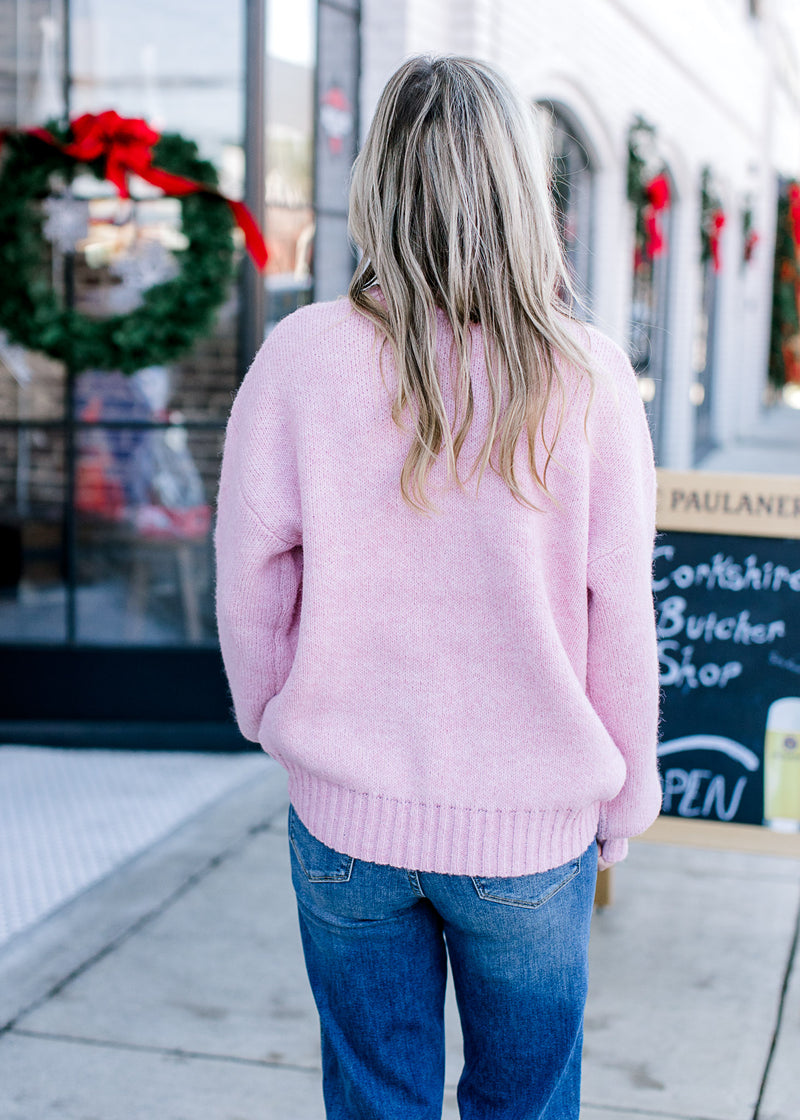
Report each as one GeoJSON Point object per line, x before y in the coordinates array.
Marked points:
{"type": "Point", "coordinates": [319, 863]}
{"type": "Point", "coordinates": [527, 890]}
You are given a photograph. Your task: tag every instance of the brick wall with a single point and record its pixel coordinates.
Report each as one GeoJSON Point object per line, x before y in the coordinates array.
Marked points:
{"type": "Point", "coordinates": [721, 89]}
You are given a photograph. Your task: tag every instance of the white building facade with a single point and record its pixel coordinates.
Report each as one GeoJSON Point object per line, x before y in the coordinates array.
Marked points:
{"type": "Point", "coordinates": [718, 83]}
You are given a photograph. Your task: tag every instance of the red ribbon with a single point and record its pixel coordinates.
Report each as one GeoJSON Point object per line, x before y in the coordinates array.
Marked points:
{"type": "Point", "coordinates": [127, 145]}
{"type": "Point", "coordinates": [654, 238]}
{"type": "Point", "coordinates": [657, 193]}
{"type": "Point", "coordinates": [714, 237]}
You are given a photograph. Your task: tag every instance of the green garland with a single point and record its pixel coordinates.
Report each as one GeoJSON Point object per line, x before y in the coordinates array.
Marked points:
{"type": "Point", "coordinates": [643, 167]}
{"type": "Point", "coordinates": [710, 205]}
{"type": "Point", "coordinates": [749, 235]}
{"type": "Point", "coordinates": [171, 315]}
{"type": "Point", "coordinates": [640, 134]}
{"type": "Point", "coordinates": [785, 294]}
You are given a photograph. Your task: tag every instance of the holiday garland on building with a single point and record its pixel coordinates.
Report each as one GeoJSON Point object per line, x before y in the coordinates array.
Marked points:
{"type": "Point", "coordinates": [712, 221]}
{"type": "Point", "coordinates": [171, 315]}
{"type": "Point", "coordinates": [750, 236]}
{"type": "Point", "coordinates": [649, 191]}
{"type": "Point", "coordinates": [784, 352]}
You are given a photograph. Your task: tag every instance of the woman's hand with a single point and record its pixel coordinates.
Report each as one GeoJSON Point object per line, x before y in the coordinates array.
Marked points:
{"type": "Point", "coordinates": [602, 864]}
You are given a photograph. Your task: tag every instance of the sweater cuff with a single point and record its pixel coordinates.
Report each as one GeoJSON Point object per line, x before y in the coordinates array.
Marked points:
{"type": "Point", "coordinates": [613, 851]}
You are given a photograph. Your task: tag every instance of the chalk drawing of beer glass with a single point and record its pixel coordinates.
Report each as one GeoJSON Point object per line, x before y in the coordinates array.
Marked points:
{"type": "Point", "coordinates": [782, 765]}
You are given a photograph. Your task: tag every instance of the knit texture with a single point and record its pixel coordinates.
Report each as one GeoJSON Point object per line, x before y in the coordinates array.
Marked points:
{"type": "Point", "coordinates": [473, 691]}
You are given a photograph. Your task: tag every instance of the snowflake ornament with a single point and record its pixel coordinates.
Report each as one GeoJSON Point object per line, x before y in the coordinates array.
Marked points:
{"type": "Point", "coordinates": [67, 221]}
{"type": "Point", "coordinates": [149, 264]}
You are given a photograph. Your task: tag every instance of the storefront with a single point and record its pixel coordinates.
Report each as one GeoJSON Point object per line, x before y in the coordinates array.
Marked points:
{"type": "Point", "coordinates": [108, 479]}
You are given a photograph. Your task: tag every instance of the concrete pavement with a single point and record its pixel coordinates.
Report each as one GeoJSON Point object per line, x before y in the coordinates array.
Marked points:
{"type": "Point", "coordinates": [174, 988]}
{"type": "Point", "coordinates": [771, 446]}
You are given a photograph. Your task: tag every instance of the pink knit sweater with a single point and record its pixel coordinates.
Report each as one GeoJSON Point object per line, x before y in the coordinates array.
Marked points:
{"type": "Point", "coordinates": [473, 691]}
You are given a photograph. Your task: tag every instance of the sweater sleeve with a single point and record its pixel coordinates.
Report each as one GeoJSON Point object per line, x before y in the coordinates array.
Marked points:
{"type": "Point", "coordinates": [622, 665]}
{"type": "Point", "coordinates": [258, 541]}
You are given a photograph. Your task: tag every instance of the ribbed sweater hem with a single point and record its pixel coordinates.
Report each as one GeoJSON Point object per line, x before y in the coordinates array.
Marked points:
{"type": "Point", "coordinates": [448, 839]}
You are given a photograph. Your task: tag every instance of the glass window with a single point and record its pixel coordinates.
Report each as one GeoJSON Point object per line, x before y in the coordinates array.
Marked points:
{"type": "Point", "coordinates": [179, 65]}
{"type": "Point", "coordinates": [336, 139]}
{"type": "Point", "coordinates": [289, 221]}
{"type": "Point", "coordinates": [143, 499]}
{"type": "Point", "coordinates": [701, 391]}
{"type": "Point", "coordinates": [31, 61]}
{"type": "Point", "coordinates": [32, 535]}
{"type": "Point", "coordinates": [108, 480]}
{"type": "Point", "coordinates": [31, 385]}
{"type": "Point", "coordinates": [573, 197]}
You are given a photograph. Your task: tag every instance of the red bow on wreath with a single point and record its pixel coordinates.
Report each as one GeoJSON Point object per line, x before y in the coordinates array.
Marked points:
{"type": "Point", "coordinates": [657, 192]}
{"type": "Point", "coordinates": [127, 144]}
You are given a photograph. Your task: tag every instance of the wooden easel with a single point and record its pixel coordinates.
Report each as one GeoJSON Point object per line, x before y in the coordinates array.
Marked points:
{"type": "Point", "coordinates": [604, 891]}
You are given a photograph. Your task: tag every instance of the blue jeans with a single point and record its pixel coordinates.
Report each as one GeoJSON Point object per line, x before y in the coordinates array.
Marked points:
{"type": "Point", "coordinates": [376, 941]}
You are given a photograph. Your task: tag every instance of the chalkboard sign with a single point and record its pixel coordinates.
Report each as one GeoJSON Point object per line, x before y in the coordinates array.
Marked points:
{"type": "Point", "coordinates": [728, 615]}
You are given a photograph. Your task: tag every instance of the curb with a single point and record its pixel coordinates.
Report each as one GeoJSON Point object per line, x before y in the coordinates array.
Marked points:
{"type": "Point", "coordinates": [40, 961]}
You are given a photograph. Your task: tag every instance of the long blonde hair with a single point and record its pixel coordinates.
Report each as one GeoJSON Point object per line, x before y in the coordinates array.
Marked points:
{"type": "Point", "coordinates": [450, 207]}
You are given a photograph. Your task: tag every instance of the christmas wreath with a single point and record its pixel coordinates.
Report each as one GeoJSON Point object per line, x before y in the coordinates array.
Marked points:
{"type": "Point", "coordinates": [170, 315]}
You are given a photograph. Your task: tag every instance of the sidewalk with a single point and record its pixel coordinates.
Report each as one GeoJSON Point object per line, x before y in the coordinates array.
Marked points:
{"type": "Point", "coordinates": [771, 447]}
{"type": "Point", "coordinates": [173, 989]}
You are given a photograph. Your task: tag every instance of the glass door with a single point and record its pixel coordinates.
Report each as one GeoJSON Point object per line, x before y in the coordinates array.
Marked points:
{"type": "Point", "coordinates": [108, 479]}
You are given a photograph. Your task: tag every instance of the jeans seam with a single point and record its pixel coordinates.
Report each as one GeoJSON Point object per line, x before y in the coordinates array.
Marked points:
{"type": "Point", "coordinates": [476, 880]}
{"type": "Point", "coordinates": [416, 886]}
{"type": "Point", "coordinates": [339, 877]}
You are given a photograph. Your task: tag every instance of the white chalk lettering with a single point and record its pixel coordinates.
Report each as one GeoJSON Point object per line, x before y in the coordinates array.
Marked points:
{"type": "Point", "coordinates": [784, 662]}
{"type": "Point", "coordinates": [683, 791]}
{"type": "Point", "coordinates": [709, 674]}
{"type": "Point", "coordinates": [686, 806]}
{"type": "Point", "coordinates": [674, 784]}
{"type": "Point", "coordinates": [782, 575]}
{"type": "Point", "coordinates": [724, 572]}
{"type": "Point", "coordinates": [672, 620]}
{"type": "Point", "coordinates": [715, 798]}
{"type": "Point", "coordinates": [683, 576]}
{"type": "Point", "coordinates": [677, 672]}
